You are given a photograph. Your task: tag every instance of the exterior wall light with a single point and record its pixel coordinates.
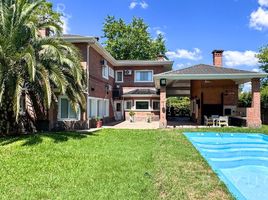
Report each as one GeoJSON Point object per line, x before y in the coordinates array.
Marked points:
{"type": "Point", "coordinates": [163, 82]}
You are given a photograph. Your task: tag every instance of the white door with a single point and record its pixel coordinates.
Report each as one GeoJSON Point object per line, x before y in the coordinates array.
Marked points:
{"type": "Point", "coordinates": [118, 105]}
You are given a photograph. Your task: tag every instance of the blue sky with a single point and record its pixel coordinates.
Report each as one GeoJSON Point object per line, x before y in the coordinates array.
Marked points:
{"type": "Point", "coordinates": [192, 28]}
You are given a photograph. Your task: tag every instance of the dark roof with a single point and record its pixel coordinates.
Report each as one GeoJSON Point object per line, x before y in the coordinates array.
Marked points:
{"type": "Point", "coordinates": [142, 92]}
{"type": "Point", "coordinates": [208, 69]}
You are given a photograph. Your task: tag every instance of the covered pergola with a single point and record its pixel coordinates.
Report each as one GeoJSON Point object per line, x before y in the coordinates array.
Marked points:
{"type": "Point", "coordinates": [212, 90]}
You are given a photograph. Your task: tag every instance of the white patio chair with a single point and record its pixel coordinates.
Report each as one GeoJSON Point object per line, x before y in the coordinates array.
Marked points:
{"type": "Point", "coordinates": [215, 116]}
{"type": "Point", "coordinates": [207, 121]}
{"type": "Point", "coordinates": [223, 121]}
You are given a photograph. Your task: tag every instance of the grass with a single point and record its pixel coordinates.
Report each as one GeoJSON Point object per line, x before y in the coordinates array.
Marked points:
{"type": "Point", "coordinates": [109, 164]}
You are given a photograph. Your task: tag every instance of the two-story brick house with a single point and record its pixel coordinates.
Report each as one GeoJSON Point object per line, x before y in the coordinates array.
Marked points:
{"type": "Point", "coordinates": [113, 87]}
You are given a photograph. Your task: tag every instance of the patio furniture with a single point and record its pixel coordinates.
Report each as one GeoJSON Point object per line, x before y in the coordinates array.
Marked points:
{"type": "Point", "coordinates": [208, 122]}
{"type": "Point", "coordinates": [215, 119]}
{"type": "Point", "coordinates": [223, 121]}
{"type": "Point", "coordinates": [215, 116]}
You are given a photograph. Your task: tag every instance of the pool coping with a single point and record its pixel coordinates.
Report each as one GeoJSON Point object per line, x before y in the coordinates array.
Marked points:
{"type": "Point", "coordinates": [230, 186]}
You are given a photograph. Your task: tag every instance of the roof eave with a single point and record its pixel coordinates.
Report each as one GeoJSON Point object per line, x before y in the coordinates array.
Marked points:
{"type": "Point", "coordinates": [140, 95]}
{"type": "Point", "coordinates": [210, 76]}
{"type": "Point", "coordinates": [120, 63]}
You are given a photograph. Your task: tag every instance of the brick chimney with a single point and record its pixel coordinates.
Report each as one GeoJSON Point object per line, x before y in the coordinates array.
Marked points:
{"type": "Point", "coordinates": [217, 58]}
{"type": "Point", "coordinates": [44, 32]}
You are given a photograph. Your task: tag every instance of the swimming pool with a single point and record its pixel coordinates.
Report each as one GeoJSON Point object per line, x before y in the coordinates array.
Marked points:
{"type": "Point", "coordinates": [240, 161]}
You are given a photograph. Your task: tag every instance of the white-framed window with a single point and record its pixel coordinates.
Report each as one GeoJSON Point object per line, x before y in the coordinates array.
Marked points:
{"type": "Point", "coordinates": [105, 71]}
{"type": "Point", "coordinates": [119, 76]}
{"type": "Point", "coordinates": [156, 105]}
{"type": "Point", "coordinates": [65, 110]}
{"type": "Point", "coordinates": [144, 76]}
{"type": "Point", "coordinates": [111, 72]}
{"type": "Point", "coordinates": [142, 104]}
{"type": "Point", "coordinates": [128, 105]}
{"type": "Point", "coordinates": [98, 107]}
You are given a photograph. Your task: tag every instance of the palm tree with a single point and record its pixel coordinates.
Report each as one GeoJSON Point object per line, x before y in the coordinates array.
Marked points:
{"type": "Point", "coordinates": [43, 67]}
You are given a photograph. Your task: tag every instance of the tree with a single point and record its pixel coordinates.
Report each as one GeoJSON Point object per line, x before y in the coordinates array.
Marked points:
{"type": "Point", "coordinates": [245, 99]}
{"type": "Point", "coordinates": [180, 104]}
{"type": "Point", "coordinates": [40, 67]}
{"type": "Point", "coordinates": [131, 41]}
{"type": "Point", "coordinates": [263, 59]}
{"type": "Point", "coordinates": [264, 96]}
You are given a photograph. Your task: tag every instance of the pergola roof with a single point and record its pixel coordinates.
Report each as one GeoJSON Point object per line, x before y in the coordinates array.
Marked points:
{"type": "Point", "coordinates": [208, 72]}
{"type": "Point", "coordinates": [209, 69]}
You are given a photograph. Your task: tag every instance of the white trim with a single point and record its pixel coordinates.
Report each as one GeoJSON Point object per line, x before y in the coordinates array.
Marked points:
{"type": "Point", "coordinates": [210, 76]}
{"type": "Point", "coordinates": [153, 105]}
{"type": "Point", "coordinates": [111, 72]}
{"type": "Point", "coordinates": [140, 95]}
{"type": "Point", "coordinates": [141, 100]}
{"type": "Point", "coordinates": [103, 67]}
{"type": "Point", "coordinates": [144, 70]}
{"type": "Point", "coordinates": [96, 107]}
{"type": "Point", "coordinates": [116, 76]}
{"type": "Point", "coordinates": [92, 41]}
{"type": "Point", "coordinates": [59, 118]}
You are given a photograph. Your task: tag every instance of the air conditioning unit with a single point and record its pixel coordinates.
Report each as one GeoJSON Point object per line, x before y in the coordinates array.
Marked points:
{"type": "Point", "coordinates": [103, 62]}
{"type": "Point", "coordinates": [128, 72]}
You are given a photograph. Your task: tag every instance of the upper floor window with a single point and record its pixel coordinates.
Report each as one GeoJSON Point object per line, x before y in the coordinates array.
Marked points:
{"type": "Point", "coordinates": [111, 72]}
{"type": "Point", "coordinates": [119, 76]}
{"type": "Point", "coordinates": [144, 76]}
{"type": "Point", "coordinates": [105, 71]}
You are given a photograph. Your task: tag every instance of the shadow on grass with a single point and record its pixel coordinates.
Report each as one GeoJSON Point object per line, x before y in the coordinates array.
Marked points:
{"type": "Point", "coordinates": [58, 137]}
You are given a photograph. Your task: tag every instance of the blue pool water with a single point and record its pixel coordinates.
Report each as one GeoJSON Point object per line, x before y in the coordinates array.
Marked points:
{"type": "Point", "coordinates": [240, 160]}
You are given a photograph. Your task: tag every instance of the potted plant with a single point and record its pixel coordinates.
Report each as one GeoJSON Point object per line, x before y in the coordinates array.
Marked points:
{"type": "Point", "coordinates": [149, 118]}
{"type": "Point", "coordinates": [131, 116]}
{"type": "Point", "coordinates": [98, 122]}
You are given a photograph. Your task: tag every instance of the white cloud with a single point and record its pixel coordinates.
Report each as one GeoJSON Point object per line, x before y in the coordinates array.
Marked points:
{"type": "Point", "coordinates": [135, 3]}
{"type": "Point", "coordinates": [158, 31]}
{"type": "Point", "coordinates": [65, 18]}
{"type": "Point", "coordinates": [144, 5]}
{"type": "Point", "coordinates": [237, 58]}
{"type": "Point", "coordinates": [256, 70]}
{"type": "Point", "coordinates": [183, 65]}
{"type": "Point", "coordinates": [263, 3]}
{"type": "Point", "coordinates": [185, 54]}
{"type": "Point", "coordinates": [65, 27]}
{"type": "Point", "coordinates": [247, 87]}
{"type": "Point", "coordinates": [259, 19]}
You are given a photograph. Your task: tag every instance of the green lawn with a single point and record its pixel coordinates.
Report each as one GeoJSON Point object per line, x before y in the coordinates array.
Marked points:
{"type": "Point", "coordinates": [109, 164]}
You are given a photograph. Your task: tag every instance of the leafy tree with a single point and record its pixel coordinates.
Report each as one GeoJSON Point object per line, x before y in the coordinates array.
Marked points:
{"type": "Point", "coordinates": [263, 59]}
{"type": "Point", "coordinates": [40, 67]}
{"type": "Point", "coordinates": [131, 41]}
{"type": "Point", "coordinates": [245, 99]}
{"type": "Point", "coordinates": [181, 105]}
{"type": "Point", "coordinates": [264, 96]}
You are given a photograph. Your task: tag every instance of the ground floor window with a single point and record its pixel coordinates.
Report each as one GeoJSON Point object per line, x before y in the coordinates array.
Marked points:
{"type": "Point", "coordinates": [142, 104]}
{"type": "Point", "coordinates": [156, 105]}
{"type": "Point", "coordinates": [98, 107]}
{"type": "Point", "coordinates": [66, 112]}
{"type": "Point", "coordinates": [128, 105]}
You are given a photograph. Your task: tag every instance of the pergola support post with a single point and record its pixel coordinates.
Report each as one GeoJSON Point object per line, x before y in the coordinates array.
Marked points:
{"type": "Point", "coordinates": [254, 113]}
{"type": "Point", "coordinates": [163, 101]}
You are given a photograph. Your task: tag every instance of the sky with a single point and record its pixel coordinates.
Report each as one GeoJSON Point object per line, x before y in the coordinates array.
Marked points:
{"type": "Point", "coordinates": [192, 28]}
